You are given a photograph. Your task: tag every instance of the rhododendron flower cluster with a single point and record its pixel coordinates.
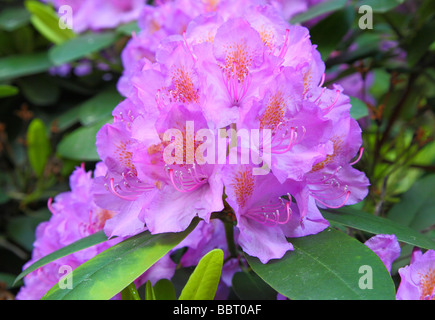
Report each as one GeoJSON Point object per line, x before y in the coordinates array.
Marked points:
{"type": "Point", "coordinates": [98, 15]}
{"type": "Point", "coordinates": [232, 112]}
{"type": "Point", "coordinates": [166, 18]}
{"type": "Point", "coordinates": [75, 216]}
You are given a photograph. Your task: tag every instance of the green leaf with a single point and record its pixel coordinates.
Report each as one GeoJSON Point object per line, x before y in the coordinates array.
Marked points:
{"type": "Point", "coordinates": [329, 32]}
{"type": "Point", "coordinates": [8, 280]}
{"type": "Point", "coordinates": [128, 28]}
{"type": "Point", "coordinates": [89, 241]}
{"type": "Point", "coordinates": [40, 90]}
{"type": "Point", "coordinates": [326, 266]}
{"type": "Point", "coordinates": [22, 229]}
{"type": "Point", "coordinates": [420, 43]}
{"type": "Point", "coordinates": [46, 21]}
{"type": "Point", "coordinates": [7, 91]}
{"type": "Point", "coordinates": [203, 282]}
{"type": "Point", "coordinates": [369, 223]}
{"type": "Point", "coordinates": [249, 286]}
{"type": "Point", "coordinates": [318, 10]}
{"type": "Point", "coordinates": [80, 144]}
{"type": "Point", "coordinates": [417, 206]}
{"type": "Point", "coordinates": [22, 65]}
{"type": "Point", "coordinates": [81, 46]}
{"type": "Point", "coordinates": [130, 292]}
{"type": "Point", "coordinates": [111, 271]}
{"type": "Point", "coordinates": [38, 146]}
{"type": "Point", "coordinates": [149, 291]}
{"type": "Point", "coordinates": [359, 108]}
{"type": "Point", "coordinates": [99, 107]}
{"type": "Point", "coordinates": [13, 18]}
{"type": "Point", "coordinates": [67, 118]}
{"type": "Point", "coordinates": [381, 6]}
{"type": "Point", "coordinates": [380, 84]}
{"type": "Point", "coordinates": [164, 290]}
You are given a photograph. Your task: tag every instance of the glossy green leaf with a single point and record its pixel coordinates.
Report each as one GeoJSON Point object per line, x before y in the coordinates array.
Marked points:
{"type": "Point", "coordinates": [421, 42]}
{"type": "Point", "coordinates": [381, 6]}
{"type": "Point", "coordinates": [46, 21]}
{"type": "Point", "coordinates": [68, 118]}
{"type": "Point", "coordinates": [8, 280]}
{"type": "Point", "coordinates": [81, 46]}
{"type": "Point", "coordinates": [7, 91]}
{"type": "Point", "coordinates": [21, 229]}
{"type": "Point", "coordinates": [417, 206]}
{"type": "Point", "coordinates": [369, 223]}
{"type": "Point", "coordinates": [13, 18]}
{"type": "Point", "coordinates": [22, 65]}
{"type": "Point", "coordinates": [89, 241]}
{"type": "Point", "coordinates": [128, 28]}
{"type": "Point", "coordinates": [111, 271]}
{"type": "Point", "coordinates": [327, 266]}
{"type": "Point", "coordinates": [99, 107]}
{"type": "Point", "coordinates": [359, 108]}
{"type": "Point", "coordinates": [38, 146]}
{"type": "Point", "coordinates": [80, 144]}
{"type": "Point", "coordinates": [149, 291]}
{"type": "Point", "coordinates": [328, 33]}
{"type": "Point", "coordinates": [203, 282]}
{"type": "Point", "coordinates": [318, 10]}
{"type": "Point", "coordinates": [249, 286]}
{"type": "Point", "coordinates": [40, 90]}
{"type": "Point", "coordinates": [164, 290]}
{"type": "Point", "coordinates": [130, 292]}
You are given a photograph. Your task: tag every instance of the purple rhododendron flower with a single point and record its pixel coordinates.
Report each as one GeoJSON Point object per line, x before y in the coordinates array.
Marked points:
{"type": "Point", "coordinates": [166, 18]}
{"type": "Point", "coordinates": [418, 278]}
{"type": "Point", "coordinates": [75, 216]}
{"type": "Point", "coordinates": [289, 9]}
{"type": "Point", "coordinates": [231, 88]}
{"type": "Point", "coordinates": [97, 15]}
{"type": "Point", "coordinates": [386, 247]}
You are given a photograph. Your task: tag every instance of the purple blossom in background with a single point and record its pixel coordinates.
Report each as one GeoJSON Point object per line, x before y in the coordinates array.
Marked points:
{"type": "Point", "coordinates": [96, 15]}
{"type": "Point", "coordinates": [290, 9]}
{"type": "Point", "coordinates": [219, 71]}
{"type": "Point", "coordinates": [418, 278]}
{"type": "Point", "coordinates": [386, 247]}
{"type": "Point", "coordinates": [75, 216]}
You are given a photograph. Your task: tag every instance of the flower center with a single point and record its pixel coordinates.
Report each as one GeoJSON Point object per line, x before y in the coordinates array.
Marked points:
{"type": "Point", "coordinates": [243, 185]}
{"type": "Point", "coordinates": [427, 285]}
{"type": "Point", "coordinates": [337, 144]}
{"type": "Point", "coordinates": [102, 216]}
{"type": "Point", "coordinates": [237, 61]}
{"type": "Point", "coordinates": [274, 113]}
{"type": "Point", "coordinates": [125, 157]}
{"type": "Point", "coordinates": [184, 89]}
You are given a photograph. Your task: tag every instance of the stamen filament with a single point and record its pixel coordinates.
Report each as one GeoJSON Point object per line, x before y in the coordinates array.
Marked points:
{"type": "Point", "coordinates": [116, 193]}
{"type": "Point", "coordinates": [334, 207]}
{"type": "Point", "coordinates": [361, 150]}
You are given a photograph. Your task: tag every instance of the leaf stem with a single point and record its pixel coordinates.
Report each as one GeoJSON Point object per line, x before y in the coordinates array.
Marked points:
{"type": "Point", "coordinates": [229, 234]}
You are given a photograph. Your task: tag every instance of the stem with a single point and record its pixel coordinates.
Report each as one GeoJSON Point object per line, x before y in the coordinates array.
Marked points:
{"type": "Point", "coordinates": [229, 234]}
{"type": "Point", "coordinates": [395, 114]}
